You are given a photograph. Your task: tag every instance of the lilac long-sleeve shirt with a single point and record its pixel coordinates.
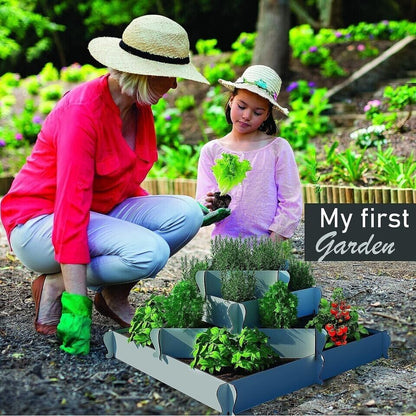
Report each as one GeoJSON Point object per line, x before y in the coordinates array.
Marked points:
{"type": "Point", "coordinates": [269, 198]}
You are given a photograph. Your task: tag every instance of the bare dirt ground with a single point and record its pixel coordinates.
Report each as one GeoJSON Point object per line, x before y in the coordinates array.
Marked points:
{"type": "Point", "coordinates": [37, 378]}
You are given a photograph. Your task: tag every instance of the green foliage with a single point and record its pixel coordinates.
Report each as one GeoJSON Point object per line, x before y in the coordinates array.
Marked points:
{"type": "Point", "coordinates": [339, 319]}
{"type": "Point", "coordinates": [147, 317]}
{"type": "Point", "coordinates": [237, 285]}
{"type": "Point", "coordinates": [182, 308]}
{"type": "Point", "coordinates": [214, 112]}
{"type": "Point", "coordinates": [301, 276]}
{"type": "Point", "coordinates": [51, 92]}
{"type": "Point", "coordinates": [307, 119]}
{"type": "Point", "coordinates": [207, 47]}
{"type": "Point", "coordinates": [221, 70]}
{"type": "Point", "coordinates": [395, 170]}
{"type": "Point", "coordinates": [243, 49]}
{"type": "Point", "coordinates": [230, 171]}
{"type": "Point", "coordinates": [278, 307]}
{"type": "Point", "coordinates": [330, 68]}
{"type": "Point", "coordinates": [185, 103]}
{"type": "Point", "coordinates": [249, 254]}
{"type": "Point", "coordinates": [314, 56]}
{"type": "Point", "coordinates": [49, 73]}
{"type": "Point", "coordinates": [26, 124]}
{"type": "Point", "coordinates": [167, 123]}
{"type": "Point", "coordinates": [350, 166]}
{"type": "Point", "coordinates": [190, 266]}
{"type": "Point", "coordinates": [217, 349]}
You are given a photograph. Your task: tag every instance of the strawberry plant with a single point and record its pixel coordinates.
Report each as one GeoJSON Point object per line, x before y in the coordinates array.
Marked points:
{"type": "Point", "coordinates": [339, 319]}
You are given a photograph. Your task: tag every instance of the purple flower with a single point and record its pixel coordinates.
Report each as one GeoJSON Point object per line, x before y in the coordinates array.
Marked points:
{"type": "Point", "coordinates": [348, 35]}
{"type": "Point", "coordinates": [385, 22]}
{"type": "Point", "coordinates": [292, 86]}
{"type": "Point", "coordinates": [313, 49]}
{"type": "Point", "coordinates": [168, 117]}
{"type": "Point", "coordinates": [338, 34]}
{"type": "Point", "coordinates": [37, 120]}
{"type": "Point", "coordinates": [18, 136]}
{"type": "Point", "coordinates": [311, 84]}
{"type": "Point", "coordinates": [243, 40]}
{"type": "Point", "coordinates": [360, 47]}
{"type": "Point", "coordinates": [2, 143]}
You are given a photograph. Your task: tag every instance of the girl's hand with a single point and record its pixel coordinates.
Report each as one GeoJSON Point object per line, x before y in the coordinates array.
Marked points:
{"type": "Point", "coordinates": [209, 200]}
{"type": "Point", "coordinates": [277, 237]}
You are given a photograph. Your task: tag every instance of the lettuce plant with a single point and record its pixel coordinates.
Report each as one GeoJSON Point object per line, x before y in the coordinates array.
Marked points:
{"type": "Point", "coordinates": [229, 172]}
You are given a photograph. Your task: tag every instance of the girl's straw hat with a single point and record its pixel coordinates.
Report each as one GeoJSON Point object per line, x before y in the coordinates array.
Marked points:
{"type": "Point", "coordinates": [261, 80]}
{"type": "Point", "coordinates": [150, 45]}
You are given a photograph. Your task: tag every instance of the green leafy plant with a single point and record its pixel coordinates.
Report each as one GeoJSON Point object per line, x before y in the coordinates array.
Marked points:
{"type": "Point", "coordinates": [278, 307]}
{"type": "Point", "coordinates": [185, 103]}
{"type": "Point", "coordinates": [217, 349]}
{"type": "Point", "coordinates": [243, 49]}
{"type": "Point", "coordinates": [238, 285]}
{"type": "Point", "coordinates": [301, 276]}
{"type": "Point", "coordinates": [190, 266]}
{"type": "Point", "coordinates": [213, 112]}
{"type": "Point", "coordinates": [339, 319]}
{"type": "Point", "coordinates": [182, 308]}
{"type": "Point", "coordinates": [229, 172]}
{"type": "Point", "coordinates": [207, 47]}
{"type": "Point", "coordinates": [147, 317]}
{"type": "Point", "coordinates": [249, 254]}
{"type": "Point", "coordinates": [221, 70]}
{"type": "Point", "coordinates": [350, 166]}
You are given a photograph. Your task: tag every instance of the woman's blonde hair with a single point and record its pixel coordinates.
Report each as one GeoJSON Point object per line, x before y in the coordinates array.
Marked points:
{"type": "Point", "coordinates": [134, 85]}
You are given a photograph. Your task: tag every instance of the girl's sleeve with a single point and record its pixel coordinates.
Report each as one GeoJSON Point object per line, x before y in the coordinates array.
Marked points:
{"type": "Point", "coordinates": [75, 154]}
{"type": "Point", "coordinates": [289, 193]}
{"type": "Point", "coordinates": [206, 181]}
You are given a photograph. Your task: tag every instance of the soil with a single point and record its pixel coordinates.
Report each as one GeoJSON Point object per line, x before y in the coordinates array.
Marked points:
{"type": "Point", "coordinates": [36, 377]}
{"type": "Point", "coordinates": [220, 201]}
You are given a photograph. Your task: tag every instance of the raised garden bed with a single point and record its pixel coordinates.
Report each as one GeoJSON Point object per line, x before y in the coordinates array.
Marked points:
{"type": "Point", "coordinates": [308, 364]}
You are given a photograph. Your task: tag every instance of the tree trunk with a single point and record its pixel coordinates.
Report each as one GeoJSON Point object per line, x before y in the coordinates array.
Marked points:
{"type": "Point", "coordinates": [272, 43]}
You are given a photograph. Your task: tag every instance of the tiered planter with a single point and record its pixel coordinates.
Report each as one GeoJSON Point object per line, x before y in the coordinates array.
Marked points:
{"type": "Point", "coordinates": [229, 397]}
{"type": "Point", "coordinates": [310, 365]}
{"type": "Point", "coordinates": [235, 316]}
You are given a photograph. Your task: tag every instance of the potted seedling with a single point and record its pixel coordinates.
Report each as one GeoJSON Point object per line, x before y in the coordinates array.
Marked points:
{"type": "Point", "coordinates": [229, 172]}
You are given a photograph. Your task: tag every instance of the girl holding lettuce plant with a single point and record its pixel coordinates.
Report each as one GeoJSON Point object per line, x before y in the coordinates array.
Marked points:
{"type": "Point", "coordinates": [268, 201]}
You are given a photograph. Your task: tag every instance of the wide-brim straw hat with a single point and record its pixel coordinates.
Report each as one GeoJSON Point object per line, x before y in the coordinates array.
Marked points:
{"type": "Point", "coordinates": [261, 80]}
{"type": "Point", "coordinates": [150, 45]}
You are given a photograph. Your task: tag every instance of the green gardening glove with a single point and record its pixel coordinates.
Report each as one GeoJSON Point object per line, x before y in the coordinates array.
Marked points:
{"type": "Point", "coordinates": [74, 328]}
{"type": "Point", "coordinates": [215, 216]}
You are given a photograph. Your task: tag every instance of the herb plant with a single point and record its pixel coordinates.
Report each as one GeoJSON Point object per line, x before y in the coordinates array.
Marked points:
{"type": "Point", "coordinates": [217, 349]}
{"type": "Point", "coordinates": [229, 172]}
{"type": "Point", "coordinates": [238, 285]}
{"type": "Point", "coordinates": [301, 276]}
{"type": "Point", "coordinates": [339, 319]}
{"type": "Point", "coordinates": [182, 308]}
{"type": "Point", "coordinates": [278, 307]}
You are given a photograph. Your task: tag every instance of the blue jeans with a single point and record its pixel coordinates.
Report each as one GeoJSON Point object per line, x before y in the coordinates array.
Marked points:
{"type": "Point", "coordinates": [132, 242]}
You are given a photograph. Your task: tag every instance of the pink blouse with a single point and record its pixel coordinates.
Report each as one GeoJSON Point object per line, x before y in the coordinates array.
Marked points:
{"type": "Point", "coordinates": [80, 162]}
{"type": "Point", "coordinates": [269, 198]}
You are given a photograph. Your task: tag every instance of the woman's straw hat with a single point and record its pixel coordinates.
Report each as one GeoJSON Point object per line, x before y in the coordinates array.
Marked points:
{"type": "Point", "coordinates": [150, 45]}
{"type": "Point", "coordinates": [261, 80]}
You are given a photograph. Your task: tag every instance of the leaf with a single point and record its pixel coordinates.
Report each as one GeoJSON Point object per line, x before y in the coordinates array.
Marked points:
{"type": "Point", "coordinates": [229, 171]}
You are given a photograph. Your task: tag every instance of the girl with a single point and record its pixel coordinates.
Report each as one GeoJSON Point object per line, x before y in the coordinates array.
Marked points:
{"type": "Point", "coordinates": [269, 200]}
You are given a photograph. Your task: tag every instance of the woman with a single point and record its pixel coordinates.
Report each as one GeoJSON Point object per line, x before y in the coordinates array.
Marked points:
{"type": "Point", "coordinates": [76, 212]}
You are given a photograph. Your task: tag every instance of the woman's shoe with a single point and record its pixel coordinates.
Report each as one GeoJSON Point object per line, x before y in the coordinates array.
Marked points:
{"type": "Point", "coordinates": [37, 289]}
{"type": "Point", "coordinates": [102, 308]}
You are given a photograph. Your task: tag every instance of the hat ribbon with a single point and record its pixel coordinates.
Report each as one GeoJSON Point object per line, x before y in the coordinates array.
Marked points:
{"type": "Point", "coordinates": [152, 56]}
{"type": "Point", "coordinates": [260, 84]}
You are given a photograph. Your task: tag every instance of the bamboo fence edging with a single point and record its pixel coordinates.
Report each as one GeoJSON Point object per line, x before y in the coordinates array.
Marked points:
{"type": "Point", "coordinates": [312, 193]}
